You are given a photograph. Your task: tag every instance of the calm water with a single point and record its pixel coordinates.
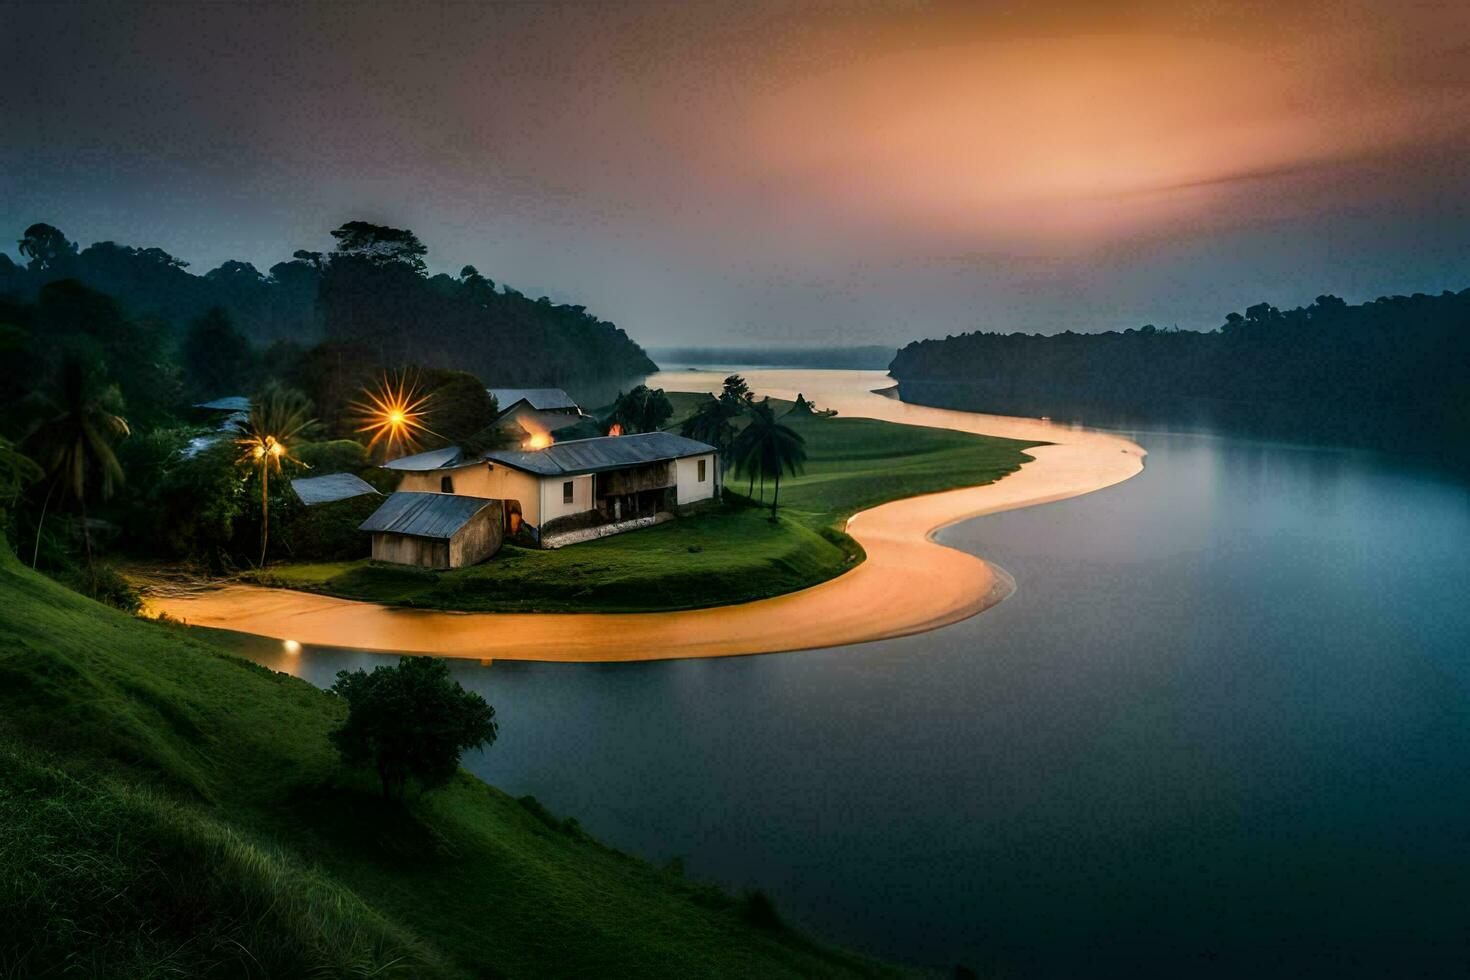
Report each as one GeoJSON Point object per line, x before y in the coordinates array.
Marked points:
{"type": "Point", "coordinates": [1223, 726]}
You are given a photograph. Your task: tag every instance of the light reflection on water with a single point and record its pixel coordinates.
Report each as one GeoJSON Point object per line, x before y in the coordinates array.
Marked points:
{"type": "Point", "coordinates": [1222, 727]}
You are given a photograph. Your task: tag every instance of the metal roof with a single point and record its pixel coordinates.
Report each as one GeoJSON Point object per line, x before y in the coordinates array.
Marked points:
{"type": "Point", "coordinates": [602, 453]}
{"type": "Point", "coordinates": [434, 459]}
{"type": "Point", "coordinates": [232, 403]}
{"type": "Point", "coordinates": [425, 515]}
{"type": "Point", "coordinates": [540, 399]}
{"type": "Point", "coordinates": [533, 421]}
{"type": "Point", "coordinates": [330, 487]}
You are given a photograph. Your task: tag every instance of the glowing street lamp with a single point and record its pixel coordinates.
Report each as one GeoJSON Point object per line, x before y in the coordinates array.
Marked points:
{"type": "Point", "coordinates": [266, 453]}
{"type": "Point", "coordinates": [394, 414]}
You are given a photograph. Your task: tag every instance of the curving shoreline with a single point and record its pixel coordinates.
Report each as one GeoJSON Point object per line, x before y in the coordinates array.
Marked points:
{"type": "Point", "coordinates": [908, 584]}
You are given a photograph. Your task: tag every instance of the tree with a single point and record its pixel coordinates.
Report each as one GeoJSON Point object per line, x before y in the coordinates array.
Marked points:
{"type": "Point", "coordinates": [47, 248]}
{"type": "Point", "coordinates": [216, 356]}
{"type": "Point", "coordinates": [277, 418]}
{"type": "Point", "coordinates": [380, 244]}
{"type": "Point", "coordinates": [767, 447]}
{"type": "Point", "coordinates": [70, 316]}
{"type": "Point", "coordinates": [737, 394]}
{"type": "Point", "coordinates": [461, 406]}
{"type": "Point", "coordinates": [17, 470]}
{"type": "Point", "coordinates": [410, 721]}
{"type": "Point", "coordinates": [75, 445]}
{"type": "Point", "coordinates": [712, 422]}
{"type": "Point", "coordinates": [643, 409]}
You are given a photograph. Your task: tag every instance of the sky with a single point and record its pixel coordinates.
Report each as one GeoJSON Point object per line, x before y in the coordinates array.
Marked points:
{"type": "Point", "coordinates": [772, 173]}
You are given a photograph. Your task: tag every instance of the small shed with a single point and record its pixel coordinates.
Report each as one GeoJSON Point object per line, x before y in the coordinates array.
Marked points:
{"type": "Point", "coordinates": [435, 530]}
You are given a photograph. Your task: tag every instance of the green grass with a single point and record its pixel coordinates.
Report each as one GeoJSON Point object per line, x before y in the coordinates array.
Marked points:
{"type": "Point", "coordinates": [726, 555]}
{"type": "Point", "coordinates": [169, 810]}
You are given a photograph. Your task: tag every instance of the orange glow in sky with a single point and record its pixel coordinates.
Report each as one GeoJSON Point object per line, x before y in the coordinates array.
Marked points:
{"type": "Point", "coordinates": [783, 172]}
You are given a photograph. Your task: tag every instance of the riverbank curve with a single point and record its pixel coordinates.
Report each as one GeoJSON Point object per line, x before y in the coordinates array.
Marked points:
{"type": "Point", "coordinates": [909, 583]}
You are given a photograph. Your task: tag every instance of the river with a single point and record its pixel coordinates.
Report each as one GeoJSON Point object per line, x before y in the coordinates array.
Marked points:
{"type": "Point", "coordinates": [1221, 727]}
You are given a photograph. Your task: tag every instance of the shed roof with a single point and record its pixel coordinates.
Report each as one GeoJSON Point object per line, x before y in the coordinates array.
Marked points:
{"type": "Point", "coordinates": [602, 453]}
{"type": "Point", "coordinates": [434, 459]}
{"type": "Point", "coordinates": [541, 399]}
{"type": "Point", "coordinates": [424, 515]}
{"type": "Point", "coordinates": [231, 403]}
{"type": "Point", "coordinates": [330, 488]}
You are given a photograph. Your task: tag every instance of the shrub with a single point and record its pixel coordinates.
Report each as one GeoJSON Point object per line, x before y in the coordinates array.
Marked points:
{"type": "Point", "coordinates": [332, 456]}
{"type": "Point", "coordinates": [104, 584]}
{"type": "Point", "coordinates": [410, 721]}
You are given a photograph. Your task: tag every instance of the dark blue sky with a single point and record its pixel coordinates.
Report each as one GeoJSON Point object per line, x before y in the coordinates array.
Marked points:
{"type": "Point", "coordinates": [772, 173]}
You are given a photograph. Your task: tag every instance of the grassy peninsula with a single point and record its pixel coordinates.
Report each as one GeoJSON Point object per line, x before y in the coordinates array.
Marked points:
{"type": "Point", "coordinates": [726, 555]}
{"type": "Point", "coordinates": [169, 810]}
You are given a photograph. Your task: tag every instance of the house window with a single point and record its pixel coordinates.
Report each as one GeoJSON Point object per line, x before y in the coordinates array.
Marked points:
{"type": "Point", "coordinates": [566, 492]}
{"type": "Point", "coordinates": [701, 470]}
{"type": "Point", "coordinates": [446, 484]}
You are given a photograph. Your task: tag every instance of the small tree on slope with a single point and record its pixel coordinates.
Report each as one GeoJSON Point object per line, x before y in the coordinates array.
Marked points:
{"type": "Point", "coordinates": [410, 720]}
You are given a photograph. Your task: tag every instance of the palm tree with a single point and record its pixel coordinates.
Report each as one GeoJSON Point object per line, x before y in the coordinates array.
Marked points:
{"type": "Point", "coordinates": [16, 471]}
{"type": "Point", "coordinates": [767, 447]}
{"type": "Point", "coordinates": [712, 422]}
{"type": "Point", "coordinates": [742, 450]}
{"type": "Point", "coordinates": [277, 417]}
{"type": "Point", "coordinates": [75, 445]}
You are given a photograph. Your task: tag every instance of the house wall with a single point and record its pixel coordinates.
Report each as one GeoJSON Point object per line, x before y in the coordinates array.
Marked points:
{"type": "Point", "coordinates": [551, 496]}
{"type": "Point", "coordinates": [690, 489]}
{"type": "Point", "coordinates": [466, 479]}
{"type": "Point", "coordinates": [486, 480]}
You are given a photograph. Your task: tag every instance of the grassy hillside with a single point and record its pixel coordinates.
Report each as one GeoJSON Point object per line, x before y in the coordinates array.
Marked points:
{"type": "Point", "coordinates": [731, 554]}
{"type": "Point", "coordinates": [168, 810]}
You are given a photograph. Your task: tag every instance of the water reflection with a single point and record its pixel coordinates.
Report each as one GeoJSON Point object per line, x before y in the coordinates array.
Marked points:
{"type": "Point", "coordinates": [1307, 424]}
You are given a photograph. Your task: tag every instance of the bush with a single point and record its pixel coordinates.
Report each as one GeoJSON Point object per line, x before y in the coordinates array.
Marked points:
{"type": "Point", "coordinates": [104, 584]}
{"type": "Point", "coordinates": [332, 456]}
{"type": "Point", "coordinates": [328, 532]}
{"type": "Point", "coordinates": [410, 721]}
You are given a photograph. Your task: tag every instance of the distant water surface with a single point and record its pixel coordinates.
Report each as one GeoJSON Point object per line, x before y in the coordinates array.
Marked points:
{"type": "Point", "coordinates": [1222, 727]}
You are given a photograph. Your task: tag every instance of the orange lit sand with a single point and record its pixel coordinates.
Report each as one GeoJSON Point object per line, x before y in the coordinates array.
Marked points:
{"type": "Point", "coordinates": [908, 584]}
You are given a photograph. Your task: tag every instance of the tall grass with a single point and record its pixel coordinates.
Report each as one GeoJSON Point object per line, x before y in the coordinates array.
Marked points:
{"type": "Point", "coordinates": [109, 880]}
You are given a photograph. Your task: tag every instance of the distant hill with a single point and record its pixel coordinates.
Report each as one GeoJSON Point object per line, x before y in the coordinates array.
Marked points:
{"type": "Point", "coordinates": [870, 358]}
{"type": "Point", "coordinates": [1394, 372]}
{"type": "Point", "coordinates": [371, 292]}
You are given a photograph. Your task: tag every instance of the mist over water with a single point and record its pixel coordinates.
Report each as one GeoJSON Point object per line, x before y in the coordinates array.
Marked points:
{"type": "Point", "coordinates": [1221, 727]}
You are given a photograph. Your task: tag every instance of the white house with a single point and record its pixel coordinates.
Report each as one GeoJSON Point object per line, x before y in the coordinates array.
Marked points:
{"type": "Point", "coordinates": [575, 490]}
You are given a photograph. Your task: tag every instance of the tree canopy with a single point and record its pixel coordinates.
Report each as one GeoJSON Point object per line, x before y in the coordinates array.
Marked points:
{"type": "Point", "coordinates": [379, 244]}
{"type": "Point", "coordinates": [369, 300]}
{"type": "Point", "coordinates": [1328, 369]}
{"type": "Point", "coordinates": [643, 409]}
{"type": "Point", "coordinates": [410, 721]}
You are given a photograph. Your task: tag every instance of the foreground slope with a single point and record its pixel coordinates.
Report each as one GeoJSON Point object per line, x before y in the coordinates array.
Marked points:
{"type": "Point", "coordinates": [168, 809]}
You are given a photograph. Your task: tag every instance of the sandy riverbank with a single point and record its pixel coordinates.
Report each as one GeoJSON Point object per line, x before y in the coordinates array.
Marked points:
{"type": "Point", "coordinates": [908, 584]}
